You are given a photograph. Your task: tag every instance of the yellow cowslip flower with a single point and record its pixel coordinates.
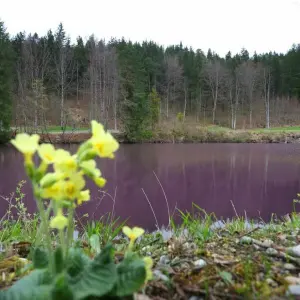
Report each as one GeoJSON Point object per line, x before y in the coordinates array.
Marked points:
{"type": "Point", "coordinates": [54, 192]}
{"type": "Point", "coordinates": [89, 167]}
{"type": "Point", "coordinates": [100, 181]}
{"type": "Point", "coordinates": [103, 142]}
{"type": "Point", "coordinates": [83, 197]}
{"type": "Point", "coordinates": [59, 221]}
{"type": "Point", "coordinates": [47, 153]}
{"type": "Point", "coordinates": [26, 144]}
{"type": "Point", "coordinates": [97, 128]}
{"type": "Point", "coordinates": [65, 162]}
{"type": "Point", "coordinates": [148, 265]}
{"type": "Point", "coordinates": [71, 188]}
{"type": "Point", "coordinates": [133, 233]}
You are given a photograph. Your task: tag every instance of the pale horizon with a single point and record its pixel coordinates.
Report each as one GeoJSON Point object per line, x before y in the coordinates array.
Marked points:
{"type": "Point", "coordinates": [222, 26]}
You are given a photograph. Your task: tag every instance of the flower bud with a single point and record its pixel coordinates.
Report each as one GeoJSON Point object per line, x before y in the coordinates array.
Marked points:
{"type": "Point", "coordinates": [87, 155]}
{"type": "Point", "coordinates": [29, 166]}
{"type": "Point", "coordinates": [49, 179]}
{"type": "Point", "coordinates": [85, 146]}
{"type": "Point", "coordinates": [100, 181]}
{"type": "Point", "coordinates": [41, 170]}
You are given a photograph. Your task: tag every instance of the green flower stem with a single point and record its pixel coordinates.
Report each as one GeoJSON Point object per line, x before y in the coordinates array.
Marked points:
{"type": "Point", "coordinates": [63, 242]}
{"type": "Point", "coordinates": [70, 231]}
{"type": "Point", "coordinates": [45, 226]}
{"type": "Point", "coordinates": [41, 228]}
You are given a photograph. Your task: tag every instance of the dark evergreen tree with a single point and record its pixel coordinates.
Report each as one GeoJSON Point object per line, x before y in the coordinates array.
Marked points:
{"type": "Point", "coordinates": [6, 64]}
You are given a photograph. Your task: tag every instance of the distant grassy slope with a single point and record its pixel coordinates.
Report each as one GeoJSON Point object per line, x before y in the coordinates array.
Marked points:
{"type": "Point", "coordinates": [264, 130]}
{"type": "Point", "coordinates": [184, 133]}
{"type": "Point", "coordinates": [279, 129]}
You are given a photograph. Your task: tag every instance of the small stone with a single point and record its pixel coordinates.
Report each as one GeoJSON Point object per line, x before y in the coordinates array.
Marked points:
{"type": "Point", "coordinates": [148, 253]}
{"type": "Point", "coordinates": [195, 298]}
{"type": "Point", "coordinates": [146, 248]}
{"type": "Point", "coordinates": [190, 246]}
{"type": "Point", "coordinates": [294, 290]}
{"type": "Point", "coordinates": [157, 253]}
{"type": "Point", "coordinates": [219, 284]}
{"type": "Point", "coordinates": [75, 235]}
{"type": "Point", "coordinates": [166, 234]}
{"type": "Point", "coordinates": [261, 276]}
{"type": "Point", "coordinates": [246, 240]}
{"type": "Point", "coordinates": [217, 225]}
{"type": "Point", "coordinates": [200, 263]}
{"type": "Point", "coordinates": [185, 266]}
{"type": "Point", "coordinates": [271, 282]}
{"type": "Point", "coordinates": [159, 275]}
{"type": "Point", "coordinates": [292, 280]}
{"type": "Point", "coordinates": [186, 245]}
{"type": "Point", "coordinates": [211, 245]}
{"type": "Point", "coordinates": [164, 260]}
{"type": "Point", "coordinates": [289, 266]}
{"type": "Point", "coordinates": [267, 243]}
{"type": "Point", "coordinates": [141, 297]}
{"type": "Point", "coordinates": [294, 251]}
{"type": "Point", "coordinates": [175, 261]}
{"type": "Point", "coordinates": [271, 251]}
{"type": "Point", "coordinates": [282, 237]}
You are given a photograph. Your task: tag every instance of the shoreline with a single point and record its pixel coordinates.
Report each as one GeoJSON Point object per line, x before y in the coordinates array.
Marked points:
{"type": "Point", "coordinates": [200, 258]}
{"type": "Point", "coordinates": [204, 136]}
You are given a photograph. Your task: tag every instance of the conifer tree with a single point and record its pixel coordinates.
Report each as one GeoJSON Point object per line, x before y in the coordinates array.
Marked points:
{"type": "Point", "coordinates": [5, 83]}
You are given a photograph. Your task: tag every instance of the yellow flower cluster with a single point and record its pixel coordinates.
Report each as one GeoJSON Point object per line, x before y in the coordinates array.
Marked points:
{"type": "Point", "coordinates": [66, 184]}
{"type": "Point", "coordinates": [133, 234]}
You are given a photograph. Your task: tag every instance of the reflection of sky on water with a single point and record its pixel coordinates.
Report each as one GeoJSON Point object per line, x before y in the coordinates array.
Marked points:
{"type": "Point", "coordinates": [259, 179]}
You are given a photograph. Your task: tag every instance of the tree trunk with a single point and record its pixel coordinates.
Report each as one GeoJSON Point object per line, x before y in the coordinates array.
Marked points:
{"type": "Point", "coordinates": [185, 103]}
{"type": "Point", "coordinates": [215, 99]}
{"type": "Point", "coordinates": [62, 107]}
{"type": "Point", "coordinates": [214, 111]}
{"type": "Point", "coordinates": [77, 85]}
{"type": "Point", "coordinates": [167, 108]}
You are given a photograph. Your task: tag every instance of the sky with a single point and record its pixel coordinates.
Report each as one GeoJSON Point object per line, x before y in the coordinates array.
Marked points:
{"type": "Point", "coordinates": [222, 25]}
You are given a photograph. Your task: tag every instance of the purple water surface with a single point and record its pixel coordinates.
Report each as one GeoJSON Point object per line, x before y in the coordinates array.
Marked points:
{"type": "Point", "coordinates": [260, 179]}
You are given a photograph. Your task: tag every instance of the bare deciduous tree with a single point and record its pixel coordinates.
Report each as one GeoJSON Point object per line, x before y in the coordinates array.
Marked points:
{"type": "Point", "coordinates": [64, 68]}
{"type": "Point", "coordinates": [249, 76]}
{"type": "Point", "coordinates": [214, 75]}
{"type": "Point", "coordinates": [104, 81]}
{"type": "Point", "coordinates": [266, 93]}
{"type": "Point", "coordinates": [174, 79]}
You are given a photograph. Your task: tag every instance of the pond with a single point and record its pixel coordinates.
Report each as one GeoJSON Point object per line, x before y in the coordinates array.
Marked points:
{"type": "Point", "coordinates": [259, 179]}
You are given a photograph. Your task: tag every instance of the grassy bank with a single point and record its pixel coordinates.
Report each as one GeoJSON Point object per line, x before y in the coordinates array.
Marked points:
{"type": "Point", "coordinates": [199, 257]}
{"type": "Point", "coordinates": [184, 133]}
{"type": "Point", "coordinates": [215, 134]}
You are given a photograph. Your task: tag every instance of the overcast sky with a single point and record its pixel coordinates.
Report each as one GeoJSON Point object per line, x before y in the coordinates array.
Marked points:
{"type": "Point", "coordinates": [222, 25]}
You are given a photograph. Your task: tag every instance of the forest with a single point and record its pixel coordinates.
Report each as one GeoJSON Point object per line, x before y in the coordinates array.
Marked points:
{"type": "Point", "coordinates": [50, 80]}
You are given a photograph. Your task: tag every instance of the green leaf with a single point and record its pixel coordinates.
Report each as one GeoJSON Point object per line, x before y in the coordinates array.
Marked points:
{"type": "Point", "coordinates": [131, 276]}
{"type": "Point", "coordinates": [95, 243]}
{"type": "Point", "coordinates": [62, 290]}
{"type": "Point", "coordinates": [40, 259]}
{"type": "Point", "coordinates": [98, 278]}
{"type": "Point", "coordinates": [58, 260]}
{"type": "Point", "coordinates": [227, 277]}
{"type": "Point", "coordinates": [106, 255]}
{"type": "Point", "coordinates": [76, 262]}
{"type": "Point", "coordinates": [35, 286]}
